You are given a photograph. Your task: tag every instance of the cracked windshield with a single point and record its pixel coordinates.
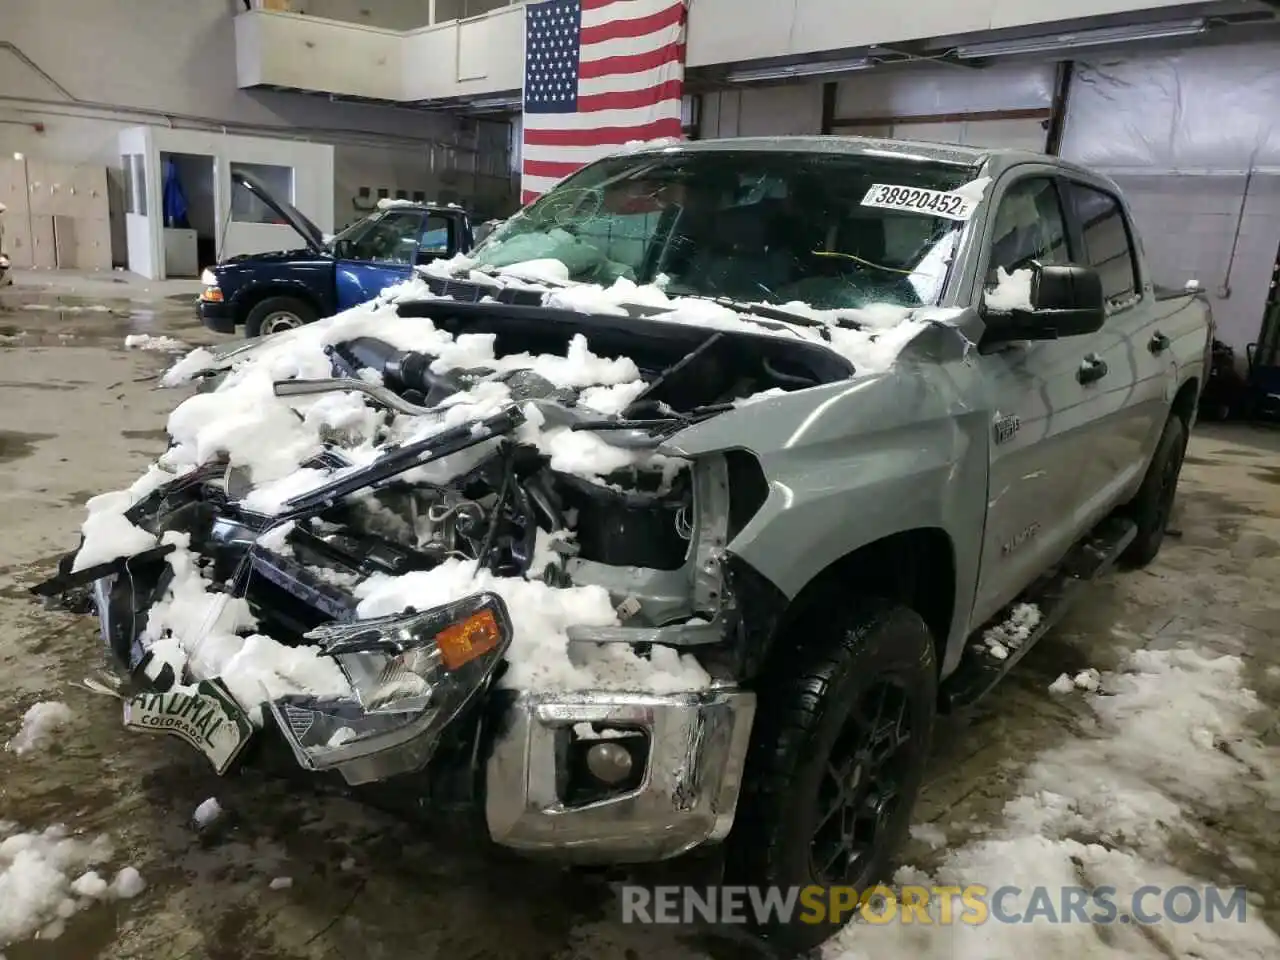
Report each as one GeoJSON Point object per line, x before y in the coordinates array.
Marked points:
{"type": "Point", "coordinates": [771, 226]}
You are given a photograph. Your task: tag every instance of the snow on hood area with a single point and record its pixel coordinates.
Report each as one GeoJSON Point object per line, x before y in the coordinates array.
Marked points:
{"type": "Point", "coordinates": [208, 633]}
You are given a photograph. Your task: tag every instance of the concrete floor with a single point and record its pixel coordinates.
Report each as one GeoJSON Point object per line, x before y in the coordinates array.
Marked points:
{"type": "Point", "coordinates": [80, 416]}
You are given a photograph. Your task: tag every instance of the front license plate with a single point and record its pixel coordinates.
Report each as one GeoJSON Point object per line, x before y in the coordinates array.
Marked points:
{"type": "Point", "coordinates": [208, 718]}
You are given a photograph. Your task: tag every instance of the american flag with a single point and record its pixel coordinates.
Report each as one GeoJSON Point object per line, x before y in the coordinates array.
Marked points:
{"type": "Point", "coordinates": [598, 74]}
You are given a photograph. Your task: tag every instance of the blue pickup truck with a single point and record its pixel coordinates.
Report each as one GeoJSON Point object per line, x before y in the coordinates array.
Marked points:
{"type": "Point", "coordinates": [269, 292]}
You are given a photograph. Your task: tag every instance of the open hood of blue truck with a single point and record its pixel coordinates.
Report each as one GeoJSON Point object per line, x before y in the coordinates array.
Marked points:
{"type": "Point", "coordinates": [287, 212]}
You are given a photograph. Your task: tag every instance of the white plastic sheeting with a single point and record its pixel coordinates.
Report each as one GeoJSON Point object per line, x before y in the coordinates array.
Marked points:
{"type": "Point", "coordinates": [1193, 138]}
{"type": "Point", "coordinates": [922, 90]}
{"type": "Point", "coordinates": [1198, 110]}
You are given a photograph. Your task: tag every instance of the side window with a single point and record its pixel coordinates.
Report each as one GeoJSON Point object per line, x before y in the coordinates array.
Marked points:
{"type": "Point", "coordinates": [1107, 247]}
{"type": "Point", "coordinates": [436, 230]}
{"type": "Point", "coordinates": [392, 239]}
{"type": "Point", "coordinates": [1029, 226]}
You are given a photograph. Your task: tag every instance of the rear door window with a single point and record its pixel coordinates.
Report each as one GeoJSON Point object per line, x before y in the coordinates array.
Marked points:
{"type": "Point", "coordinates": [436, 235]}
{"type": "Point", "coordinates": [1107, 244]}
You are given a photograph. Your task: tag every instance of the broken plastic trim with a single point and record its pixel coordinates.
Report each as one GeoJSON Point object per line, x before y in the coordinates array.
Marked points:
{"type": "Point", "coordinates": [388, 398]}
{"type": "Point", "coordinates": [401, 459]}
{"type": "Point", "coordinates": [65, 580]}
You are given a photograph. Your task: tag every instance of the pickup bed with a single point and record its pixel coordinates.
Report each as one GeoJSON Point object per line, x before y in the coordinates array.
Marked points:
{"type": "Point", "coordinates": [693, 541]}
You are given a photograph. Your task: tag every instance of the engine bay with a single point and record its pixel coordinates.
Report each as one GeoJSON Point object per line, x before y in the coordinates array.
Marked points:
{"type": "Point", "coordinates": [650, 533]}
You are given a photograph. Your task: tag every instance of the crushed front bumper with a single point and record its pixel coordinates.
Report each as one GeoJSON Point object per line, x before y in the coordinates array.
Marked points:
{"type": "Point", "coordinates": [688, 753]}
{"type": "Point", "coordinates": [688, 776]}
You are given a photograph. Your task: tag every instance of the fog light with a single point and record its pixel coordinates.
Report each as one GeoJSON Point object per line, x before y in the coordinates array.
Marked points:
{"type": "Point", "coordinates": [609, 762]}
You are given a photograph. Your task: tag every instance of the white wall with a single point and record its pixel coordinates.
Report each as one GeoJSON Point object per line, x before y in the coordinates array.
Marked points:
{"type": "Point", "coordinates": [728, 31]}
{"type": "Point", "coordinates": [466, 57]}
{"type": "Point", "coordinates": [312, 166]}
{"type": "Point", "coordinates": [460, 58]}
{"type": "Point", "coordinates": [114, 65]}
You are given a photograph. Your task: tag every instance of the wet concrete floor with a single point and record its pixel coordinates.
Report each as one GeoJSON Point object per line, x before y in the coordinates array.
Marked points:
{"type": "Point", "coordinates": [79, 415]}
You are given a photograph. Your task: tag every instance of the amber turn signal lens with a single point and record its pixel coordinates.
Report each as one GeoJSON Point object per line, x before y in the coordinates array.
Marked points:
{"type": "Point", "coordinates": [473, 637]}
{"type": "Point", "coordinates": [211, 295]}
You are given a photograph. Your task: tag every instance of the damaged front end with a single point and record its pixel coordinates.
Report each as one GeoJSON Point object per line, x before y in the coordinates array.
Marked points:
{"type": "Point", "coordinates": [594, 774]}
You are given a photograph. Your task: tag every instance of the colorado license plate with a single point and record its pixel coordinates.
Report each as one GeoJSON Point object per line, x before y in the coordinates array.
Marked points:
{"type": "Point", "coordinates": [208, 718]}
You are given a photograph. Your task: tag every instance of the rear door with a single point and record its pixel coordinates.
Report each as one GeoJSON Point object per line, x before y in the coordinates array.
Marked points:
{"type": "Point", "coordinates": [382, 255]}
{"type": "Point", "coordinates": [1128, 404]}
{"type": "Point", "coordinates": [1040, 419]}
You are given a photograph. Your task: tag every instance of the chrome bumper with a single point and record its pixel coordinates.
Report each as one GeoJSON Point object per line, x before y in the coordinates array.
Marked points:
{"type": "Point", "coordinates": [697, 748]}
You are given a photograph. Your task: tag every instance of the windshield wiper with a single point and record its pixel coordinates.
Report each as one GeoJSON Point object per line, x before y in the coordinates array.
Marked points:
{"type": "Point", "coordinates": [786, 317]}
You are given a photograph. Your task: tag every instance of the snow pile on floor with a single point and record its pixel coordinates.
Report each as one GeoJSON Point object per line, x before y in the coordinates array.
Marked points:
{"type": "Point", "coordinates": [207, 812]}
{"type": "Point", "coordinates": [68, 308]}
{"type": "Point", "coordinates": [39, 725]}
{"type": "Point", "coordinates": [1012, 633]}
{"type": "Point", "coordinates": [1087, 679]}
{"type": "Point", "coordinates": [146, 341]}
{"type": "Point", "coordinates": [1171, 747]}
{"type": "Point", "coordinates": [46, 878]}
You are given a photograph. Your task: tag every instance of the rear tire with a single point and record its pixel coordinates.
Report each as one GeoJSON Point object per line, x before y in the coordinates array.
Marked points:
{"type": "Point", "coordinates": [1152, 506]}
{"type": "Point", "coordinates": [276, 314]}
{"type": "Point", "coordinates": [816, 749]}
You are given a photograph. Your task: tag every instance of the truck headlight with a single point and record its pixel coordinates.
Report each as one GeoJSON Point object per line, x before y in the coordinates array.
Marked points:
{"type": "Point", "coordinates": [207, 278]}
{"type": "Point", "coordinates": [411, 675]}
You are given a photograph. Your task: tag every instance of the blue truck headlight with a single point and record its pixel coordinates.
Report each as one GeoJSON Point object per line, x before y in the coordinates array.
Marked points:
{"type": "Point", "coordinates": [411, 675]}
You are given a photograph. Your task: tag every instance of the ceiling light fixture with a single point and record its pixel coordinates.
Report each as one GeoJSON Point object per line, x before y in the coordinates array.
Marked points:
{"type": "Point", "coordinates": [1082, 38]}
{"type": "Point", "coordinates": [815, 68]}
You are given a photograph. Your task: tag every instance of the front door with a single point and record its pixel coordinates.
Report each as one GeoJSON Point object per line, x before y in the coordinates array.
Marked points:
{"type": "Point", "coordinates": [1040, 429]}
{"type": "Point", "coordinates": [381, 255]}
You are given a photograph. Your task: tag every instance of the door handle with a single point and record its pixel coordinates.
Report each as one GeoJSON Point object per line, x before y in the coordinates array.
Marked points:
{"type": "Point", "coordinates": [1092, 369]}
{"type": "Point", "coordinates": [1158, 343]}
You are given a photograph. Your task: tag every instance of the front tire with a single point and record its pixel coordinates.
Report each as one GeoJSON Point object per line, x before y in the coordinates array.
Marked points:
{"type": "Point", "coordinates": [276, 314]}
{"type": "Point", "coordinates": [1152, 506]}
{"type": "Point", "coordinates": [838, 757]}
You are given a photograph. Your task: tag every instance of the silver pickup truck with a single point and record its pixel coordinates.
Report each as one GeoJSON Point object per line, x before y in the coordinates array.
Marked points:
{"type": "Point", "coordinates": [793, 423]}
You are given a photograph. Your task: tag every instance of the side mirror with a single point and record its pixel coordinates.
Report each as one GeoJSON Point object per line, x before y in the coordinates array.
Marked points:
{"type": "Point", "coordinates": [1063, 300]}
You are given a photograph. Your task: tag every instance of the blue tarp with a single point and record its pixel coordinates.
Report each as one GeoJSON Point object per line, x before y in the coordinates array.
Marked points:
{"type": "Point", "coordinates": [175, 202]}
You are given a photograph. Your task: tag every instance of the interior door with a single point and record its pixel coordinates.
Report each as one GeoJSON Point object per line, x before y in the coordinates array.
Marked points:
{"type": "Point", "coordinates": [380, 256]}
{"type": "Point", "coordinates": [1040, 422]}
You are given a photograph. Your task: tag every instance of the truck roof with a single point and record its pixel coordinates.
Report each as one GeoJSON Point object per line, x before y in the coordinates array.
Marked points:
{"type": "Point", "coordinates": [953, 153]}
